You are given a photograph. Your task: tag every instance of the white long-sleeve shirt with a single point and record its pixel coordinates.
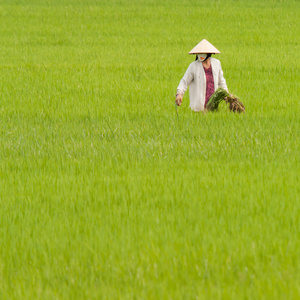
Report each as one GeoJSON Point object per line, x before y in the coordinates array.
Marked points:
{"type": "Point", "coordinates": [195, 78]}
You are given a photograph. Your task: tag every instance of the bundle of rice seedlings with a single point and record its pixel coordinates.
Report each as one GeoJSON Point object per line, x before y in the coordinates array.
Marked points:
{"type": "Point", "coordinates": [215, 99]}
{"type": "Point", "coordinates": [235, 105]}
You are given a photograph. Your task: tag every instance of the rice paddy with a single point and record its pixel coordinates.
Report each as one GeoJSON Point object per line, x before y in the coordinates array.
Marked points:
{"type": "Point", "coordinates": [108, 192]}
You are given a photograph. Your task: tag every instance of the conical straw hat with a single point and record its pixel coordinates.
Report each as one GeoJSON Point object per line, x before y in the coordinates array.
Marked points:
{"type": "Point", "coordinates": [204, 47]}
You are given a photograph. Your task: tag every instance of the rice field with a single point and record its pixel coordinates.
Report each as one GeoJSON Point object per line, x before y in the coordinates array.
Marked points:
{"type": "Point", "coordinates": [106, 192]}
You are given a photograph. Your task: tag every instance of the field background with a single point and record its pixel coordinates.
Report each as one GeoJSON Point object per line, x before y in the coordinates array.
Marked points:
{"type": "Point", "coordinates": [105, 193]}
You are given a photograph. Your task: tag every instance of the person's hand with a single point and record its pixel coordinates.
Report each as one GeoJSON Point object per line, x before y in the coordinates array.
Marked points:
{"type": "Point", "coordinates": [231, 96]}
{"type": "Point", "coordinates": [178, 99]}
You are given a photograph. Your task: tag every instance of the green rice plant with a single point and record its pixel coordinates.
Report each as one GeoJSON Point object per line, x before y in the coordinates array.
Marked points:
{"type": "Point", "coordinates": [234, 104]}
{"type": "Point", "coordinates": [215, 99]}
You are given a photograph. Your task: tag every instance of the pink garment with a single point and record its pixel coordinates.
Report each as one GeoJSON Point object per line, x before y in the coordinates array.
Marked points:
{"type": "Point", "coordinates": [210, 87]}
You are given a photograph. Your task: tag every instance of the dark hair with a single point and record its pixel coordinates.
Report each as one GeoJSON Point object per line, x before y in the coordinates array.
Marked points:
{"type": "Point", "coordinates": [208, 55]}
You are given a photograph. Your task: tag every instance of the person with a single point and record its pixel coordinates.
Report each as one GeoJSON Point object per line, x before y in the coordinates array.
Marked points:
{"type": "Point", "coordinates": [204, 76]}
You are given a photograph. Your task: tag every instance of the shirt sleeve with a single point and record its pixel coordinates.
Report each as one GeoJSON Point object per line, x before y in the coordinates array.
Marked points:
{"type": "Point", "coordinates": [222, 81]}
{"type": "Point", "coordinates": [186, 80]}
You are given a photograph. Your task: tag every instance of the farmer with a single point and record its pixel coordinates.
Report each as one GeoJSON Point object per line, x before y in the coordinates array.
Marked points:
{"type": "Point", "coordinates": [204, 76]}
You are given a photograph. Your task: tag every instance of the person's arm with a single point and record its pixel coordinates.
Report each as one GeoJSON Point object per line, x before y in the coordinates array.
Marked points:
{"type": "Point", "coordinates": [222, 81]}
{"type": "Point", "coordinates": [183, 84]}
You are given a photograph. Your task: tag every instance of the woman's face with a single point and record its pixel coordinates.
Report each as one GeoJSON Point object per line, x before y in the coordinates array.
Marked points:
{"type": "Point", "coordinates": [202, 56]}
